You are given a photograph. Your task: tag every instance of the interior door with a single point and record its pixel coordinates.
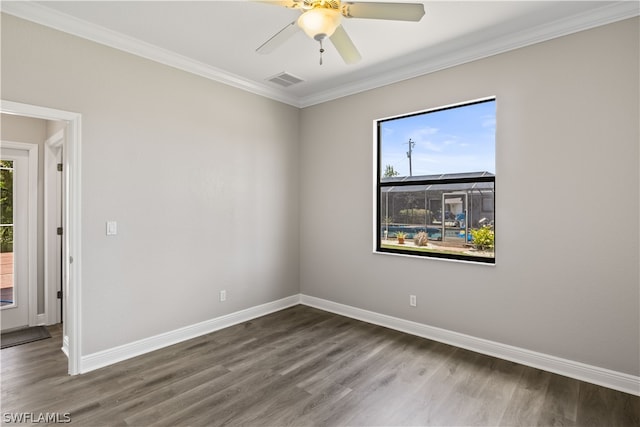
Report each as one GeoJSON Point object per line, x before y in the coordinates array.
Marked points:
{"type": "Point", "coordinates": [14, 239]}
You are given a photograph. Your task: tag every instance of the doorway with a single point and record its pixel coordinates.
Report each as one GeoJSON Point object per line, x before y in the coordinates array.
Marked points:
{"type": "Point", "coordinates": [18, 233]}
{"type": "Point", "coordinates": [53, 204]}
{"type": "Point", "coordinates": [71, 257]}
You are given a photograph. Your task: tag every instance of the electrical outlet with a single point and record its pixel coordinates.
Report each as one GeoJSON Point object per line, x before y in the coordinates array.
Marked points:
{"type": "Point", "coordinates": [112, 228]}
{"type": "Point", "coordinates": [223, 296]}
{"type": "Point", "coordinates": [413, 301]}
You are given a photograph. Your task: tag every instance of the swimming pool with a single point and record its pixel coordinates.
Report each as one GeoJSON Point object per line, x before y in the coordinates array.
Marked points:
{"type": "Point", "coordinates": [433, 233]}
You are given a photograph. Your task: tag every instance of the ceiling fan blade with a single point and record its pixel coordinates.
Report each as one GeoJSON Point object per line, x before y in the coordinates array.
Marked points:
{"type": "Point", "coordinates": [278, 39]}
{"type": "Point", "coordinates": [345, 46]}
{"type": "Point", "coordinates": [290, 4]}
{"type": "Point", "coordinates": [392, 11]}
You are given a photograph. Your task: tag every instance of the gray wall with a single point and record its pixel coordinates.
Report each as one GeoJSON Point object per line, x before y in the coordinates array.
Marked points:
{"type": "Point", "coordinates": [566, 278]}
{"type": "Point", "coordinates": [185, 164]}
{"type": "Point", "coordinates": [201, 177]}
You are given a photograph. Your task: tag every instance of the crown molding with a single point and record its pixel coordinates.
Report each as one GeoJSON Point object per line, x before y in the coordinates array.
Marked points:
{"type": "Point", "coordinates": [48, 17]}
{"type": "Point", "coordinates": [466, 50]}
{"type": "Point", "coordinates": [429, 61]}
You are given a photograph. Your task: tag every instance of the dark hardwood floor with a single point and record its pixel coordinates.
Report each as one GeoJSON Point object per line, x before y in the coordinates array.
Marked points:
{"type": "Point", "coordinates": [303, 366]}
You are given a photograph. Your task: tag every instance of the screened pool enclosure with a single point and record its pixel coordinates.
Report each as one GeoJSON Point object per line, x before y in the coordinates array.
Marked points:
{"type": "Point", "coordinates": [447, 209]}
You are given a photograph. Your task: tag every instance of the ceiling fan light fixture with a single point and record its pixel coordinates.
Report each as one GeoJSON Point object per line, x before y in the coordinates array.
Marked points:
{"type": "Point", "coordinates": [319, 22]}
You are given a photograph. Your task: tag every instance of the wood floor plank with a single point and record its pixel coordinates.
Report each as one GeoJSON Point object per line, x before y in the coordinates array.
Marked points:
{"type": "Point", "coordinates": [305, 367]}
{"type": "Point", "coordinates": [496, 381]}
{"type": "Point", "coordinates": [304, 411]}
{"type": "Point", "coordinates": [438, 393]}
{"type": "Point", "coordinates": [598, 406]}
{"type": "Point", "coordinates": [560, 406]}
{"type": "Point", "coordinates": [527, 400]}
{"type": "Point", "coordinates": [146, 396]}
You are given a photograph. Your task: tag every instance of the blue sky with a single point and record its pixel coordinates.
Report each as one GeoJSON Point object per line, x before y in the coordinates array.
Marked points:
{"type": "Point", "coordinates": [460, 139]}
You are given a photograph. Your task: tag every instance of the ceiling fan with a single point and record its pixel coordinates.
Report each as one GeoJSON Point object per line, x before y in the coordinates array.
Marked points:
{"type": "Point", "coordinates": [322, 18]}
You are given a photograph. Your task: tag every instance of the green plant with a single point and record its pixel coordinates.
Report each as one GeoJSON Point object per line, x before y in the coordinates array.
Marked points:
{"type": "Point", "coordinates": [389, 172]}
{"type": "Point", "coordinates": [6, 239]}
{"type": "Point", "coordinates": [6, 205]}
{"type": "Point", "coordinates": [483, 238]}
{"type": "Point", "coordinates": [401, 234]}
{"type": "Point", "coordinates": [421, 238]}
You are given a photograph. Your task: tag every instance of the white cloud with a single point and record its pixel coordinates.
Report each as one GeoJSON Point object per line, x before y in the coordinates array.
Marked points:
{"type": "Point", "coordinates": [431, 146]}
{"type": "Point", "coordinates": [489, 122]}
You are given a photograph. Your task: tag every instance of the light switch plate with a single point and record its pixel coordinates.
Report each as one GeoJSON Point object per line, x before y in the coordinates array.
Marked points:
{"type": "Point", "coordinates": [112, 228]}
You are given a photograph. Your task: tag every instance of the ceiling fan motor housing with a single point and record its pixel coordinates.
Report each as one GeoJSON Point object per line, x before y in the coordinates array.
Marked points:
{"type": "Point", "coordinates": [328, 4]}
{"type": "Point", "coordinates": [320, 22]}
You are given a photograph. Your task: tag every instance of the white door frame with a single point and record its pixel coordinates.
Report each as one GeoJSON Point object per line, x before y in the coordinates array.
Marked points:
{"type": "Point", "coordinates": [32, 225]}
{"type": "Point", "coordinates": [53, 199]}
{"type": "Point", "coordinates": [72, 254]}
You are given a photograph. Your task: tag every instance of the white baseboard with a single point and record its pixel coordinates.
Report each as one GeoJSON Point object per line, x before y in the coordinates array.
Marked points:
{"type": "Point", "coordinates": [107, 357]}
{"type": "Point", "coordinates": [592, 374]}
{"type": "Point", "coordinates": [569, 368]}
{"type": "Point", "coordinates": [41, 319]}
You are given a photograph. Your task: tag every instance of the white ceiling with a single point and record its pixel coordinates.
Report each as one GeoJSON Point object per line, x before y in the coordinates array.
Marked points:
{"type": "Point", "coordinates": [218, 39]}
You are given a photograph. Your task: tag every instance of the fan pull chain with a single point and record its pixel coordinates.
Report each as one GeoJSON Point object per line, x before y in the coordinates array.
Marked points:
{"type": "Point", "coordinates": [321, 51]}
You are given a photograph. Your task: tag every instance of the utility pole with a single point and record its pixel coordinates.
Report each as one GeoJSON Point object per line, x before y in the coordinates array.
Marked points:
{"type": "Point", "coordinates": [411, 145]}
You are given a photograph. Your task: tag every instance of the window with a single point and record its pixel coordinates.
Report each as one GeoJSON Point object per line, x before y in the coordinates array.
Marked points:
{"type": "Point", "coordinates": [6, 234]}
{"type": "Point", "coordinates": [436, 182]}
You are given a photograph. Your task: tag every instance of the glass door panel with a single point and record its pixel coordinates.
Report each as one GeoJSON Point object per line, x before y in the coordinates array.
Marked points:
{"type": "Point", "coordinates": [7, 294]}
